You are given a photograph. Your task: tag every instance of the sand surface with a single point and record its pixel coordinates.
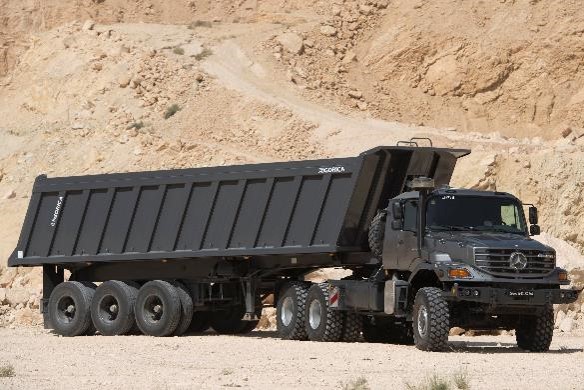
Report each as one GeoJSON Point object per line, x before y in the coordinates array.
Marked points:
{"type": "Point", "coordinates": [262, 361]}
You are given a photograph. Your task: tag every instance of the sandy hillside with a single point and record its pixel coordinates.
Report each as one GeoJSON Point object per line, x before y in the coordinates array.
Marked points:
{"type": "Point", "coordinates": [108, 86]}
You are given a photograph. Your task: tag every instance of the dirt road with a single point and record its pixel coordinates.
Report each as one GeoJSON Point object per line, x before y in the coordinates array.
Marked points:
{"type": "Point", "coordinates": [262, 361]}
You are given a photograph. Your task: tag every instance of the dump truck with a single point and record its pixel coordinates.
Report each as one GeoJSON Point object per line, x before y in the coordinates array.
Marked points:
{"type": "Point", "coordinates": [170, 252]}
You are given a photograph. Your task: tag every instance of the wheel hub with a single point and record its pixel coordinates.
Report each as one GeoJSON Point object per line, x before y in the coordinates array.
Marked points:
{"type": "Point", "coordinates": [287, 311]}
{"type": "Point", "coordinates": [422, 321]}
{"type": "Point", "coordinates": [315, 314]}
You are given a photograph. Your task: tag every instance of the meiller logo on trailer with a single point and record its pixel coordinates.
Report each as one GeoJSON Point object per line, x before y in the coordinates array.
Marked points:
{"type": "Point", "coordinates": [57, 211]}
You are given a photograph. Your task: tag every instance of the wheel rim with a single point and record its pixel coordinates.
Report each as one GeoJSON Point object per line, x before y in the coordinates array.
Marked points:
{"type": "Point", "coordinates": [422, 321]}
{"type": "Point", "coordinates": [153, 309]}
{"type": "Point", "coordinates": [287, 311]}
{"type": "Point", "coordinates": [315, 314]}
{"type": "Point", "coordinates": [66, 309]}
{"type": "Point", "coordinates": [109, 308]}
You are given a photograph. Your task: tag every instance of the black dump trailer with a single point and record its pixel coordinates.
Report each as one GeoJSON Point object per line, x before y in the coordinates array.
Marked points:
{"type": "Point", "coordinates": [193, 248]}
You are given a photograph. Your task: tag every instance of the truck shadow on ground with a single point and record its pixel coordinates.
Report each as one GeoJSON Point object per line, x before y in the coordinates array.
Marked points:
{"type": "Point", "coordinates": [481, 347]}
{"type": "Point", "coordinates": [492, 347]}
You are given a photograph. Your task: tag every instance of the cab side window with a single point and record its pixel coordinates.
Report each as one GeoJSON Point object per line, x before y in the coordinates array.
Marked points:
{"type": "Point", "coordinates": [410, 215]}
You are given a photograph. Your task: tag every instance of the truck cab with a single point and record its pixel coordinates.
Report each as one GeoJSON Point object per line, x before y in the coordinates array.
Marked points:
{"type": "Point", "coordinates": [467, 258]}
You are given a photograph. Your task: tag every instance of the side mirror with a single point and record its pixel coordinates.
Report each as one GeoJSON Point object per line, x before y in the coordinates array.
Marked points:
{"type": "Point", "coordinates": [533, 218]}
{"type": "Point", "coordinates": [534, 230]}
{"type": "Point", "coordinates": [397, 224]}
{"type": "Point", "coordinates": [397, 210]}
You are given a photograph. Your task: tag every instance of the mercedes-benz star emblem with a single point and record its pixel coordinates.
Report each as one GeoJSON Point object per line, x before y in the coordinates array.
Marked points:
{"type": "Point", "coordinates": [518, 261]}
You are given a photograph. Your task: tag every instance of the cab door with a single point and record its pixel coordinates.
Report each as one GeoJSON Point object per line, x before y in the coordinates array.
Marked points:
{"type": "Point", "coordinates": [400, 248]}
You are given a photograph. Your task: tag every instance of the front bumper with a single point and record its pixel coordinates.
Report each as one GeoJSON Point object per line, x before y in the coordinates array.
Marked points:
{"type": "Point", "coordinates": [511, 295]}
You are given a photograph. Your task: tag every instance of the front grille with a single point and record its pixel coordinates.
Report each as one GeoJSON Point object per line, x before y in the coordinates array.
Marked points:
{"type": "Point", "coordinates": [497, 262]}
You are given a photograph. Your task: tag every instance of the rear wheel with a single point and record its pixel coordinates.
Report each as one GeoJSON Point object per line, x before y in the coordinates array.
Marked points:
{"type": "Point", "coordinates": [70, 308]}
{"type": "Point", "coordinates": [158, 308]}
{"type": "Point", "coordinates": [322, 323]}
{"type": "Point", "coordinates": [112, 309]}
{"type": "Point", "coordinates": [352, 328]}
{"type": "Point", "coordinates": [535, 333]}
{"type": "Point", "coordinates": [230, 321]}
{"type": "Point", "coordinates": [431, 320]}
{"type": "Point", "coordinates": [382, 330]}
{"type": "Point", "coordinates": [186, 303]}
{"type": "Point", "coordinates": [201, 322]}
{"type": "Point", "coordinates": [291, 311]}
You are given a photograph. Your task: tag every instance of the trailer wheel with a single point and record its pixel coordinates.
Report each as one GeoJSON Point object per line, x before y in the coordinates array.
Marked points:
{"type": "Point", "coordinates": [379, 330]}
{"type": "Point", "coordinates": [322, 323]}
{"type": "Point", "coordinates": [158, 308]}
{"type": "Point", "coordinates": [112, 308]}
{"type": "Point", "coordinates": [431, 320]}
{"type": "Point", "coordinates": [291, 311]}
{"type": "Point", "coordinates": [376, 234]}
{"type": "Point", "coordinates": [230, 321]}
{"type": "Point", "coordinates": [186, 303]}
{"type": "Point", "coordinates": [352, 328]}
{"type": "Point", "coordinates": [69, 308]}
{"type": "Point", "coordinates": [201, 322]}
{"type": "Point", "coordinates": [535, 333]}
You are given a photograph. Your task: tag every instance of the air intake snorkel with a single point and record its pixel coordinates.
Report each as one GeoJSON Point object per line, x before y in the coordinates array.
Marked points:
{"type": "Point", "coordinates": [424, 185]}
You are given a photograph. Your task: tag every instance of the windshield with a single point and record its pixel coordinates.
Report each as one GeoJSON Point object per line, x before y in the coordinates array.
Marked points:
{"type": "Point", "coordinates": [475, 213]}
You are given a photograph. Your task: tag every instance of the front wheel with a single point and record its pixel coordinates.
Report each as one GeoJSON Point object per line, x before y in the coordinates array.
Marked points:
{"type": "Point", "coordinates": [535, 333]}
{"type": "Point", "coordinates": [431, 320]}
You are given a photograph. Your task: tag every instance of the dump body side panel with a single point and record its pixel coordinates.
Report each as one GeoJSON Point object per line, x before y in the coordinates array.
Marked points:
{"type": "Point", "coordinates": [280, 208]}
{"type": "Point", "coordinates": [301, 207]}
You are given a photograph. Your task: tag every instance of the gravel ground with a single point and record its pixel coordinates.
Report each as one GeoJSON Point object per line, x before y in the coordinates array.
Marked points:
{"type": "Point", "coordinates": [261, 361]}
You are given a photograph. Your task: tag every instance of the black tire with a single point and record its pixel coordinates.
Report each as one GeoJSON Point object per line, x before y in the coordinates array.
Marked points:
{"type": "Point", "coordinates": [201, 322]}
{"type": "Point", "coordinates": [70, 308]}
{"type": "Point", "coordinates": [187, 307]}
{"type": "Point", "coordinates": [112, 309]}
{"type": "Point", "coordinates": [322, 323]}
{"type": "Point", "coordinates": [376, 233]}
{"type": "Point", "coordinates": [381, 330]}
{"type": "Point", "coordinates": [535, 333]}
{"type": "Point", "coordinates": [158, 308]}
{"type": "Point", "coordinates": [352, 328]}
{"type": "Point", "coordinates": [91, 330]}
{"type": "Point", "coordinates": [228, 320]}
{"type": "Point", "coordinates": [431, 320]}
{"type": "Point", "coordinates": [291, 311]}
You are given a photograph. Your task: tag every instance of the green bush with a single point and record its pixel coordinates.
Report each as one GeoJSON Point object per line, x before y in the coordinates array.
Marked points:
{"type": "Point", "coordinates": [170, 111]}
{"type": "Point", "coordinates": [204, 54]}
{"type": "Point", "coordinates": [200, 23]}
{"type": "Point", "coordinates": [357, 384]}
{"type": "Point", "coordinates": [7, 371]}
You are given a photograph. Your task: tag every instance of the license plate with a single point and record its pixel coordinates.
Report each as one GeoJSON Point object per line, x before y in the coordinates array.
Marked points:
{"type": "Point", "coordinates": [521, 293]}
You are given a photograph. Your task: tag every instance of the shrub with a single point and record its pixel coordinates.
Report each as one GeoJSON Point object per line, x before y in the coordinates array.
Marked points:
{"type": "Point", "coordinates": [7, 371]}
{"type": "Point", "coordinates": [203, 54]}
{"type": "Point", "coordinates": [357, 384]}
{"type": "Point", "coordinates": [170, 111]}
{"type": "Point", "coordinates": [200, 23]}
{"type": "Point", "coordinates": [178, 50]}
{"type": "Point", "coordinates": [136, 125]}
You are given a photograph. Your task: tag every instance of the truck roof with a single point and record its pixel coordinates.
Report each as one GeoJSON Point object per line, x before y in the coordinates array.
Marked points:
{"type": "Point", "coordinates": [456, 191]}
